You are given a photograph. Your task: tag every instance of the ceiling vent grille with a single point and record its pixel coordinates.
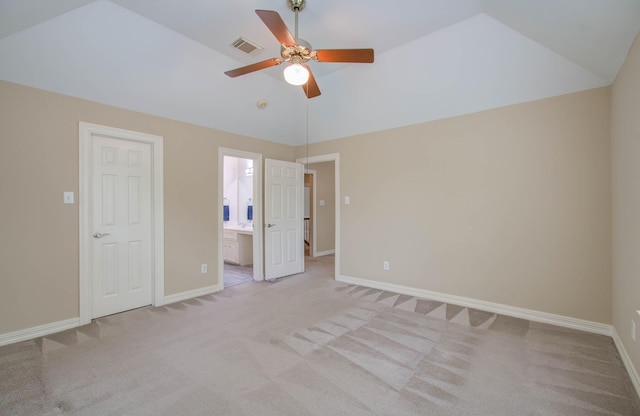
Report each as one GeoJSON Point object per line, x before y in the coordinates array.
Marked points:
{"type": "Point", "coordinates": [246, 46]}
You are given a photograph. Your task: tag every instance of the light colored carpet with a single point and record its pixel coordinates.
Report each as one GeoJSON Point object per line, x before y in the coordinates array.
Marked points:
{"type": "Point", "coordinates": [308, 345]}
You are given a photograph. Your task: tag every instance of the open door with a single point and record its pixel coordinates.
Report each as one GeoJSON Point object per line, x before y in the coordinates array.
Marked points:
{"type": "Point", "coordinates": [283, 217]}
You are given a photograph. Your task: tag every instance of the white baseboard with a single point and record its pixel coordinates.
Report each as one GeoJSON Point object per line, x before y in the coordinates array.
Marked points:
{"type": "Point", "coordinates": [531, 315]}
{"type": "Point", "coordinates": [323, 253]}
{"type": "Point", "coordinates": [179, 297]}
{"type": "Point", "coordinates": [38, 331]}
{"type": "Point", "coordinates": [47, 329]}
{"type": "Point", "coordinates": [626, 360]}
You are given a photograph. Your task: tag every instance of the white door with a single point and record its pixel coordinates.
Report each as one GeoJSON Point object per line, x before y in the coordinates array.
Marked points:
{"type": "Point", "coordinates": [283, 217]}
{"type": "Point", "coordinates": [122, 225]}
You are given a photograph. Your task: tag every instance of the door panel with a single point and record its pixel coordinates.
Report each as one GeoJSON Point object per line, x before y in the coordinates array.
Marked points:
{"type": "Point", "coordinates": [283, 219]}
{"type": "Point", "coordinates": [121, 212]}
{"type": "Point", "coordinates": [292, 245]}
{"type": "Point", "coordinates": [109, 269]}
{"type": "Point", "coordinates": [135, 265]}
{"type": "Point", "coordinates": [276, 248]}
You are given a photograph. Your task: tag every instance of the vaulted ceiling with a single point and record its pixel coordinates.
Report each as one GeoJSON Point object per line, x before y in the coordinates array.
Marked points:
{"type": "Point", "coordinates": [434, 58]}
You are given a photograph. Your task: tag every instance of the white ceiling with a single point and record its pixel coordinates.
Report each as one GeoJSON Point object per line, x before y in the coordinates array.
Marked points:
{"type": "Point", "coordinates": [434, 58]}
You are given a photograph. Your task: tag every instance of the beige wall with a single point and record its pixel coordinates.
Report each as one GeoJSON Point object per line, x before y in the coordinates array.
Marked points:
{"type": "Point", "coordinates": [511, 205]}
{"type": "Point", "coordinates": [625, 133]}
{"type": "Point", "coordinates": [325, 215]}
{"type": "Point", "coordinates": [39, 160]}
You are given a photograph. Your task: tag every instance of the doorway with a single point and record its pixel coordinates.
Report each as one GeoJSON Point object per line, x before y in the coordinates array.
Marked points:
{"type": "Point", "coordinates": [327, 205]}
{"type": "Point", "coordinates": [309, 198]}
{"type": "Point", "coordinates": [240, 257]}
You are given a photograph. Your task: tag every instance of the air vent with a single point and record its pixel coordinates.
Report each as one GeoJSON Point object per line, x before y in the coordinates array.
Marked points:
{"type": "Point", "coordinates": [246, 46]}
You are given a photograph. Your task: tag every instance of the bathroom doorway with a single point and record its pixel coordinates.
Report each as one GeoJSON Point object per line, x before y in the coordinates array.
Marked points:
{"type": "Point", "coordinates": [240, 196]}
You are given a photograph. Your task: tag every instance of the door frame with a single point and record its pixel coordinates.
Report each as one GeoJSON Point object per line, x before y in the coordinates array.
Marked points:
{"type": "Point", "coordinates": [335, 158]}
{"type": "Point", "coordinates": [86, 131]}
{"type": "Point", "coordinates": [258, 263]}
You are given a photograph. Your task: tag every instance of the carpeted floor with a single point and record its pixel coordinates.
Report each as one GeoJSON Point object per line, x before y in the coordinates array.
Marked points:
{"type": "Point", "coordinates": [307, 345]}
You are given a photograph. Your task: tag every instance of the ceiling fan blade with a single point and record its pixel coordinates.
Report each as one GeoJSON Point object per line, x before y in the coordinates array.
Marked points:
{"type": "Point", "coordinates": [345, 55]}
{"type": "Point", "coordinates": [311, 87]}
{"type": "Point", "coordinates": [254, 67]}
{"type": "Point", "coordinates": [277, 26]}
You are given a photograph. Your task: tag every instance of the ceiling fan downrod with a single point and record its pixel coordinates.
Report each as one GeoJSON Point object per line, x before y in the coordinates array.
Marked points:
{"type": "Point", "coordinates": [296, 6]}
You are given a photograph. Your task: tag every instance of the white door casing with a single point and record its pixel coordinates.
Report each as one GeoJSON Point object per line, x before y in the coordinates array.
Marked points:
{"type": "Point", "coordinates": [121, 221]}
{"type": "Point", "coordinates": [283, 216]}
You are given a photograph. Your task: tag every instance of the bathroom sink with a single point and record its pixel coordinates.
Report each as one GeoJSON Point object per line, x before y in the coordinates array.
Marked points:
{"type": "Point", "coordinates": [248, 228]}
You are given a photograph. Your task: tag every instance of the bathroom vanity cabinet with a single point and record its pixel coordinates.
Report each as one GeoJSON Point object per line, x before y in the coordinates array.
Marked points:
{"type": "Point", "coordinates": [238, 246]}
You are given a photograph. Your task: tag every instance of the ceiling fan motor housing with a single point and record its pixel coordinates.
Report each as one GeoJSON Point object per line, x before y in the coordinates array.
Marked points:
{"type": "Point", "coordinates": [300, 53]}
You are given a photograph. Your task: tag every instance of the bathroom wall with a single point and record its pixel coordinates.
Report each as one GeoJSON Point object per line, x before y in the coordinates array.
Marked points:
{"type": "Point", "coordinates": [238, 187]}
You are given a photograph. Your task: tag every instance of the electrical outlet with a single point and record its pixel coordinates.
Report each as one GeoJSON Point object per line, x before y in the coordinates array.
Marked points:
{"type": "Point", "coordinates": [633, 330]}
{"type": "Point", "coordinates": [203, 268]}
{"type": "Point", "coordinates": [385, 265]}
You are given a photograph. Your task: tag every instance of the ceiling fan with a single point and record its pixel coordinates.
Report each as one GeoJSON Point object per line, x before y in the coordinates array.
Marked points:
{"type": "Point", "coordinates": [297, 52]}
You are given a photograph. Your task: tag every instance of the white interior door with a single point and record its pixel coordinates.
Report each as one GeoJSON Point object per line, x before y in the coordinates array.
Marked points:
{"type": "Point", "coordinates": [121, 201]}
{"type": "Point", "coordinates": [283, 216]}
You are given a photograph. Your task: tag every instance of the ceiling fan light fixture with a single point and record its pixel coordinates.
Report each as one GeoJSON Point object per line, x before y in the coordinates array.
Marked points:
{"type": "Point", "coordinates": [296, 74]}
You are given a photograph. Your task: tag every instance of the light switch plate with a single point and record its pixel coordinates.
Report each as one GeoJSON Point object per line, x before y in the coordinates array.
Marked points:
{"type": "Point", "coordinates": [347, 200]}
{"type": "Point", "coordinates": [322, 202]}
{"type": "Point", "coordinates": [67, 197]}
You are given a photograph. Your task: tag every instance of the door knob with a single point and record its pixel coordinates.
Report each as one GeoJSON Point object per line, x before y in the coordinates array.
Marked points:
{"type": "Point", "coordinates": [100, 235]}
{"type": "Point", "coordinates": [270, 225]}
